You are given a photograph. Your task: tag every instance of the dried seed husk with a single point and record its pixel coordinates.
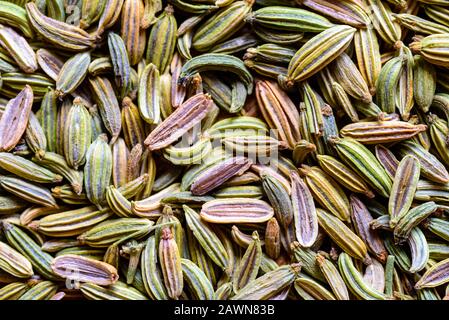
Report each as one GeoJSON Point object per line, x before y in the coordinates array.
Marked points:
{"type": "Point", "coordinates": [14, 14]}
{"type": "Point", "coordinates": [333, 277]}
{"type": "Point", "coordinates": [309, 289]}
{"type": "Point", "coordinates": [72, 73]}
{"type": "Point", "coordinates": [402, 259]}
{"type": "Point", "coordinates": [404, 187]}
{"type": "Point", "coordinates": [198, 255]}
{"type": "Point", "coordinates": [224, 292]}
{"type": "Point", "coordinates": [177, 199]}
{"type": "Point", "coordinates": [43, 290]}
{"type": "Point", "coordinates": [29, 192]}
{"type": "Point", "coordinates": [437, 13]}
{"type": "Point", "coordinates": [236, 210]}
{"type": "Point", "coordinates": [387, 159]}
{"type": "Point", "coordinates": [326, 192]}
{"type": "Point", "coordinates": [162, 39]}
{"type": "Point", "coordinates": [58, 245]}
{"type": "Point", "coordinates": [73, 38]}
{"type": "Point", "coordinates": [151, 206]}
{"type": "Point", "coordinates": [387, 83]}
{"type": "Point", "coordinates": [118, 203]}
{"type": "Point", "coordinates": [57, 163]}
{"type": "Point", "coordinates": [404, 98]}
{"type": "Point", "coordinates": [176, 228]}
{"type": "Point", "coordinates": [133, 164]}
{"type": "Point", "coordinates": [438, 251]}
{"type": "Point", "coordinates": [319, 51]}
{"type": "Point", "coordinates": [19, 49]}
{"type": "Point", "coordinates": [55, 9]}
{"type": "Point", "coordinates": [279, 111]}
{"type": "Point", "coordinates": [349, 77]}
{"type": "Point", "coordinates": [110, 14]}
{"type": "Point", "coordinates": [242, 239]}
{"type": "Point", "coordinates": [278, 36]}
{"type": "Point", "coordinates": [354, 280]}
{"type": "Point", "coordinates": [439, 132]}
{"type": "Point", "coordinates": [117, 291]}
{"type": "Point", "coordinates": [197, 281]}
{"type": "Point", "coordinates": [35, 136]}
{"type": "Point", "coordinates": [34, 212]}
{"type": "Point", "coordinates": [302, 150]}
{"type": "Point", "coordinates": [222, 25]}
{"type": "Point", "coordinates": [419, 25]}
{"type": "Point", "coordinates": [289, 19]}
{"type": "Point", "coordinates": [91, 11]}
{"type": "Point", "coordinates": [379, 132]}
{"type": "Point", "coordinates": [344, 175]}
{"type": "Point", "coordinates": [347, 240]}
{"type": "Point", "coordinates": [272, 239]}
{"type": "Point", "coordinates": [108, 105]}
{"type": "Point", "coordinates": [14, 119]}
{"type": "Point", "coordinates": [14, 263]}
{"type": "Point", "coordinates": [100, 66]}
{"type": "Point", "coordinates": [190, 113]}
{"type": "Point", "coordinates": [27, 169]}
{"type": "Point", "coordinates": [120, 63]}
{"type": "Point", "coordinates": [215, 175]}
{"type": "Point", "coordinates": [131, 32]}
{"type": "Point", "coordinates": [271, 53]}
{"type": "Point", "coordinates": [434, 276]}
{"type": "Point", "coordinates": [151, 274]}
{"type": "Point", "coordinates": [255, 192]}
{"type": "Point", "coordinates": [77, 134]}
{"type": "Point", "coordinates": [170, 260]}
{"type": "Point", "coordinates": [149, 94]}
{"type": "Point", "coordinates": [269, 284]}
{"type": "Point", "coordinates": [19, 240]}
{"type": "Point", "coordinates": [66, 194]}
{"type": "Point", "coordinates": [313, 104]}
{"type": "Point", "coordinates": [375, 276]}
{"type": "Point", "coordinates": [386, 27]}
{"type": "Point", "coordinates": [248, 267]}
{"type": "Point", "coordinates": [411, 219]}
{"type": "Point", "coordinates": [120, 155]}
{"type": "Point", "coordinates": [48, 114]}
{"type": "Point", "coordinates": [431, 167]}
{"type": "Point", "coordinates": [361, 160]}
{"type": "Point", "coordinates": [433, 48]}
{"type": "Point", "coordinates": [149, 16]}
{"type": "Point", "coordinates": [84, 269]}
{"type": "Point", "coordinates": [346, 12]}
{"type": "Point", "coordinates": [344, 102]}
{"type": "Point", "coordinates": [237, 126]}
{"type": "Point", "coordinates": [279, 198]}
{"type": "Point", "coordinates": [110, 232]}
{"type": "Point", "coordinates": [206, 237]}
{"type": "Point", "coordinates": [13, 290]}
{"type": "Point", "coordinates": [367, 52]}
{"type": "Point", "coordinates": [216, 62]}
{"type": "Point", "coordinates": [188, 155]}
{"type": "Point", "coordinates": [438, 227]}
{"type": "Point", "coordinates": [70, 222]}
{"type": "Point", "coordinates": [10, 204]}
{"type": "Point", "coordinates": [419, 250]}
{"type": "Point", "coordinates": [361, 219]}
{"type": "Point", "coordinates": [98, 170]}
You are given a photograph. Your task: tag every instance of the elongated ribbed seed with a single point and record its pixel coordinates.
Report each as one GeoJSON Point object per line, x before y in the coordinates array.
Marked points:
{"type": "Point", "coordinates": [404, 187]}
{"type": "Point", "coordinates": [84, 269]}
